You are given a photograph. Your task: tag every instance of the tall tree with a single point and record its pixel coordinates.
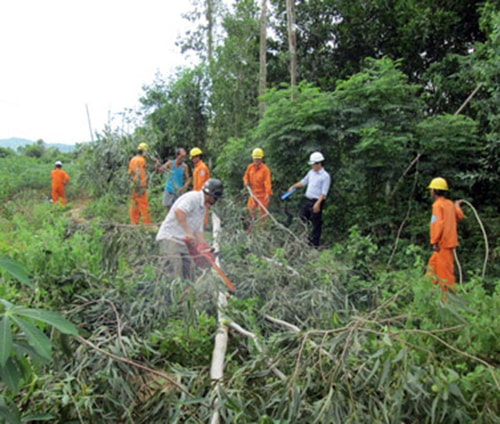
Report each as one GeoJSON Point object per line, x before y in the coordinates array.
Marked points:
{"type": "Point", "coordinates": [292, 41]}
{"type": "Point", "coordinates": [209, 16]}
{"type": "Point", "coordinates": [263, 55]}
{"type": "Point", "coordinates": [235, 75]}
{"type": "Point", "coordinates": [205, 16]}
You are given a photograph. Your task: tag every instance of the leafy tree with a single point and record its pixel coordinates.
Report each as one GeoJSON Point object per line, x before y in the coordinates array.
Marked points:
{"type": "Point", "coordinates": [366, 129]}
{"type": "Point", "coordinates": [468, 84]}
{"type": "Point", "coordinates": [205, 16]}
{"type": "Point", "coordinates": [487, 106]}
{"type": "Point", "coordinates": [6, 151]}
{"type": "Point", "coordinates": [36, 150]}
{"type": "Point", "coordinates": [291, 129]}
{"type": "Point", "coordinates": [335, 36]}
{"type": "Point", "coordinates": [420, 33]}
{"type": "Point", "coordinates": [235, 76]}
{"type": "Point", "coordinates": [175, 112]}
{"type": "Point", "coordinates": [315, 42]}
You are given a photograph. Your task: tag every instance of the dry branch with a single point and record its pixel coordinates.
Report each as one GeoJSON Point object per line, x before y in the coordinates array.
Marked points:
{"type": "Point", "coordinates": [136, 365]}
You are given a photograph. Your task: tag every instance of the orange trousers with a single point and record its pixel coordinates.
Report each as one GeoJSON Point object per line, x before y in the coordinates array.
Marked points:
{"type": "Point", "coordinates": [58, 194]}
{"type": "Point", "coordinates": [139, 207]}
{"type": "Point", "coordinates": [441, 271]}
{"type": "Point", "coordinates": [253, 205]}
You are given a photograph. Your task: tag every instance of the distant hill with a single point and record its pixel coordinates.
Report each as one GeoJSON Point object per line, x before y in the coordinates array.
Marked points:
{"type": "Point", "coordinates": [14, 143]}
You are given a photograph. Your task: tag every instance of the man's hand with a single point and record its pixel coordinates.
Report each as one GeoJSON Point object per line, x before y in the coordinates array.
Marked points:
{"type": "Point", "coordinates": [435, 247]}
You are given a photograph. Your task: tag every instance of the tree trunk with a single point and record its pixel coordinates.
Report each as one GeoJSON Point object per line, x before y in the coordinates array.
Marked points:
{"type": "Point", "coordinates": [210, 30]}
{"type": "Point", "coordinates": [262, 56]}
{"type": "Point", "coordinates": [292, 42]}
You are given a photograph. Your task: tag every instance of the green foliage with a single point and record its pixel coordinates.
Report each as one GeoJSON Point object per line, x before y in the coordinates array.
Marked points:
{"type": "Point", "coordinates": [176, 113]}
{"type": "Point", "coordinates": [35, 150]}
{"type": "Point", "coordinates": [365, 131]}
{"type": "Point", "coordinates": [188, 345]}
{"type": "Point", "coordinates": [6, 151]}
{"type": "Point", "coordinates": [351, 332]}
{"type": "Point", "coordinates": [20, 173]}
{"type": "Point", "coordinates": [451, 142]}
{"type": "Point", "coordinates": [291, 129]}
{"type": "Point", "coordinates": [103, 164]}
{"type": "Point", "coordinates": [23, 343]}
{"type": "Point", "coordinates": [335, 37]}
{"type": "Point", "coordinates": [372, 341]}
{"type": "Point", "coordinates": [228, 170]}
{"type": "Point", "coordinates": [378, 109]}
{"type": "Point", "coordinates": [15, 269]}
{"type": "Point", "coordinates": [234, 75]}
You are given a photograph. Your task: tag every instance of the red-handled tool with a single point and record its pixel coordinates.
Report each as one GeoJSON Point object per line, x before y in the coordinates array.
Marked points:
{"type": "Point", "coordinates": [203, 256]}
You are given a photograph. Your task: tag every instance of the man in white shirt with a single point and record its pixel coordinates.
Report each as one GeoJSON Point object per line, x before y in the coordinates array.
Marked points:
{"type": "Point", "coordinates": [318, 182]}
{"type": "Point", "coordinates": [185, 219]}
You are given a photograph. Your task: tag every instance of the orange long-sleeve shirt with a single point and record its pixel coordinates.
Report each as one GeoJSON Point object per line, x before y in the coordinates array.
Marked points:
{"type": "Point", "coordinates": [59, 177]}
{"type": "Point", "coordinates": [201, 174]}
{"type": "Point", "coordinates": [443, 229]}
{"type": "Point", "coordinates": [259, 179]}
{"type": "Point", "coordinates": [137, 167]}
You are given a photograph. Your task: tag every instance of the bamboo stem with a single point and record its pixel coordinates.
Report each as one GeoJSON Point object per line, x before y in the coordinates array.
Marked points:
{"type": "Point", "coordinates": [221, 338]}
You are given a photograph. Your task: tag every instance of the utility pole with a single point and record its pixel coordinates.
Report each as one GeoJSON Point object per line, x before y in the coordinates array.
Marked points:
{"type": "Point", "coordinates": [90, 125]}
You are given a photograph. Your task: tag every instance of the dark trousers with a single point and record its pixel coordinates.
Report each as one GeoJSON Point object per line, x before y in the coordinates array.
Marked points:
{"type": "Point", "coordinates": [306, 214]}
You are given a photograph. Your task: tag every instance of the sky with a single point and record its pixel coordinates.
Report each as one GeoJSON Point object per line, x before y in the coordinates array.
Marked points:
{"type": "Point", "coordinates": [71, 66]}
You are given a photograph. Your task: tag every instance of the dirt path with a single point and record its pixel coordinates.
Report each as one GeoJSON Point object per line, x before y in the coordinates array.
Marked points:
{"type": "Point", "coordinates": [78, 206]}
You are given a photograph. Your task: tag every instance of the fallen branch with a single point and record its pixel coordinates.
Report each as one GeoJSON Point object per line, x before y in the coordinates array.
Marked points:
{"type": "Point", "coordinates": [221, 338]}
{"type": "Point", "coordinates": [137, 365]}
{"type": "Point", "coordinates": [296, 329]}
{"type": "Point", "coordinates": [287, 267]}
{"type": "Point", "coordinates": [252, 336]}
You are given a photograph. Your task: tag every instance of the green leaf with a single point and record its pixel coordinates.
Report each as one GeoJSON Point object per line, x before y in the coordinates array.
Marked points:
{"type": "Point", "coordinates": [7, 304]}
{"type": "Point", "coordinates": [24, 348]}
{"type": "Point", "coordinates": [5, 340]}
{"type": "Point", "coordinates": [10, 415]}
{"type": "Point", "coordinates": [371, 374]}
{"type": "Point", "coordinates": [49, 317]}
{"type": "Point", "coordinates": [16, 270]}
{"type": "Point", "coordinates": [10, 374]}
{"type": "Point", "coordinates": [385, 373]}
{"type": "Point", "coordinates": [36, 418]}
{"type": "Point", "coordinates": [39, 341]}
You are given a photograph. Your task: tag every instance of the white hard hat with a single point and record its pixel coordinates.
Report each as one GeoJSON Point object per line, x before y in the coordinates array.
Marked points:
{"type": "Point", "coordinates": [316, 157]}
{"type": "Point", "coordinates": [58, 163]}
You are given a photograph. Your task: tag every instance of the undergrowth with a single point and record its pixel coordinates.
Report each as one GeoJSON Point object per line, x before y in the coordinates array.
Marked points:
{"type": "Point", "coordinates": [375, 342]}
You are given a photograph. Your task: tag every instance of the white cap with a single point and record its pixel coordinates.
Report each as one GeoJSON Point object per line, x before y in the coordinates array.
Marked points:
{"type": "Point", "coordinates": [316, 157]}
{"type": "Point", "coordinates": [58, 163]}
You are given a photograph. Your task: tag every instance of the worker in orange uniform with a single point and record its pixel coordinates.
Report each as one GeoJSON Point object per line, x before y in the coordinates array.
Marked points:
{"type": "Point", "coordinates": [201, 174]}
{"type": "Point", "coordinates": [59, 181]}
{"type": "Point", "coordinates": [443, 236]}
{"type": "Point", "coordinates": [139, 207]}
{"type": "Point", "coordinates": [258, 179]}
